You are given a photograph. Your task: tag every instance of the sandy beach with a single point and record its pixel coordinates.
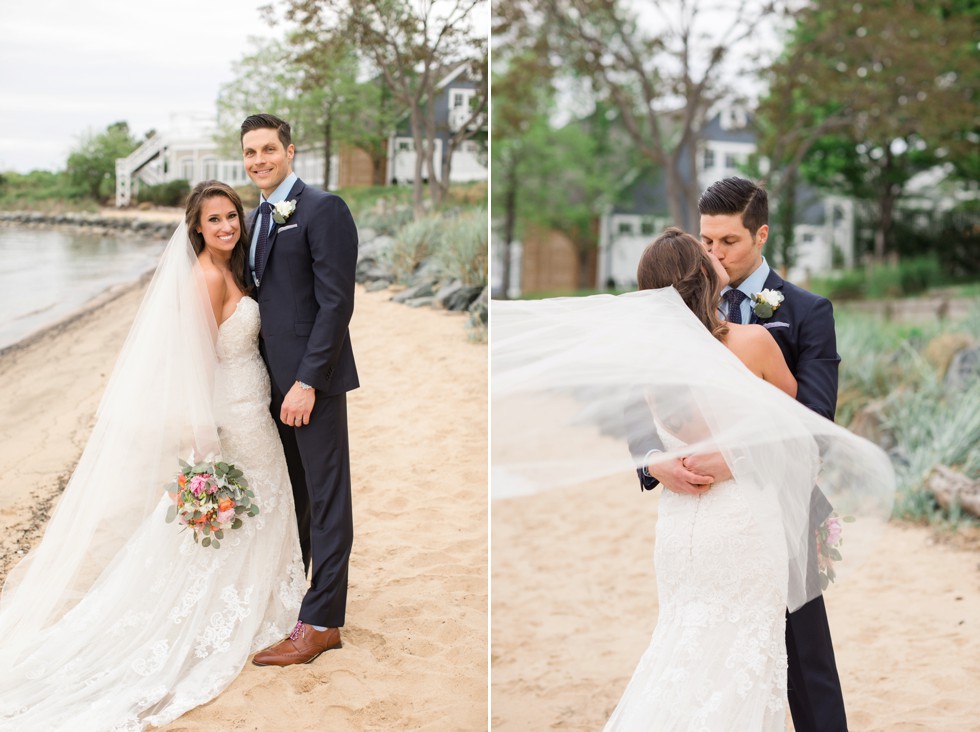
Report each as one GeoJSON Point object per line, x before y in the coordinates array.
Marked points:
{"type": "Point", "coordinates": [575, 602]}
{"type": "Point", "coordinates": [415, 645]}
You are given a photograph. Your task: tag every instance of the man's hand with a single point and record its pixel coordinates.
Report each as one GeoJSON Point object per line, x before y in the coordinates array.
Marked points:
{"type": "Point", "coordinates": [708, 463]}
{"type": "Point", "coordinates": [297, 405]}
{"type": "Point", "coordinates": [675, 477]}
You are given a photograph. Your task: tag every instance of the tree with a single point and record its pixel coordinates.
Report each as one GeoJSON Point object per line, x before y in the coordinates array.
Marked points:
{"type": "Point", "coordinates": [410, 44]}
{"type": "Point", "coordinates": [313, 83]}
{"type": "Point", "coordinates": [92, 165]}
{"type": "Point", "coordinates": [869, 94]}
{"type": "Point", "coordinates": [662, 73]}
{"type": "Point", "coordinates": [521, 104]}
{"type": "Point", "coordinates": [468, 125]}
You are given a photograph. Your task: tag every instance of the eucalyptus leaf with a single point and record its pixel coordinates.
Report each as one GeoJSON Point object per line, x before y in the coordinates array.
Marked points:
{"type": "Point", "coordinates": [171, 514]}
{"type": "Point", "coordinates": [216, 544]}
{"type": "Point", "coordinates": [236, 524]}
{"type": "Point", "coordinates": [206, 541]}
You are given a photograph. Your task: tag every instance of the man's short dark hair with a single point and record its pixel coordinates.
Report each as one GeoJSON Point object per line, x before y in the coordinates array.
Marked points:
{"type": "Point", "coordinates": [731, 196]}
{"type": "Point", "coordinates": [268, 122]}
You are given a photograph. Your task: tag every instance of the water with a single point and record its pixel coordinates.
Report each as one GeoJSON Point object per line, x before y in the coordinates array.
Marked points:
{"type": "Point", "coordinates": [48, 274]}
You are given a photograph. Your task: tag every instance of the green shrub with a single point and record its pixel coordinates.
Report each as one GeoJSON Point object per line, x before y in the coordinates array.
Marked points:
{"type": "Point", "coordinates": [171, 193]}
{"type": "Point", "coordinates": [462, 252]}
{"type": "Point", "coordinates": [415, 241]}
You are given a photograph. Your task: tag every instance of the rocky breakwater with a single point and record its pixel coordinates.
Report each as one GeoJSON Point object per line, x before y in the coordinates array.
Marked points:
{"type": "Point", "coordinates": [426, 286]}
{"type": "Point", "coordinates": [158, 226]}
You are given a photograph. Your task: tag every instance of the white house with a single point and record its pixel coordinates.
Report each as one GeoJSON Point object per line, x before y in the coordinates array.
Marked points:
{"type": "Point", "coordinates": [186, 149]}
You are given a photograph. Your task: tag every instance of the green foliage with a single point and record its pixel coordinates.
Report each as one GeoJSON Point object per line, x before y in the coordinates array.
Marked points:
{"type": "Point", "coordinates": [415, 241]}
{"type": "Point", "coordinates": [173, 193]}
{"type": "Point", "coordinates": [42, 190]}
{"type": "Point", "coordinates": [924, 423]}
{"type": "Point", "coordinates": [92, 165]}
{"type": "Point", "coordinates": [911, 276]}
{"type": "Point", "coordinates": [462, 248]}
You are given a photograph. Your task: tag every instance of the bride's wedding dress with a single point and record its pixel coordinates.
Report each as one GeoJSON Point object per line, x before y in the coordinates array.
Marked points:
{"type": "Point", "coordinates": [169, 623]}
{"type": "Point", "coordinates": [717, 658]}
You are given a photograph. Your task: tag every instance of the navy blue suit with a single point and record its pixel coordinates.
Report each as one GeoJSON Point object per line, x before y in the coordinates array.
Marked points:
{"type": "Point", "coordinates": [306, 299]}
{"type": "Point", "coordinates": [803, 326]}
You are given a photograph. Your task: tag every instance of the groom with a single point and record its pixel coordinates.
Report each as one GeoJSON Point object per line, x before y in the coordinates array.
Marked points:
{"type": "Point", "coordinates": [301, 263]}
{"type": "Point", "coordinates": [734, 227]}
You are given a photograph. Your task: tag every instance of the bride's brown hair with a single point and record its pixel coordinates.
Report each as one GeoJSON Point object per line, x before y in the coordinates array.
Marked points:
{"type": "Point", "coordinates": [677, 258]}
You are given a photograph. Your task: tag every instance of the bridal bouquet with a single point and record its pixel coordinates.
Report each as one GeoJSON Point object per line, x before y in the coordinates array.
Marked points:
{"type": "Point", "coordinates": [830, 536]}
{"type": "Point", "coordinates": [209, 497]}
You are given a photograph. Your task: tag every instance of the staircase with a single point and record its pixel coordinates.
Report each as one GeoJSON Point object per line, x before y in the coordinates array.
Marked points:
{"type": "Point", "coordinates": [135, 162]}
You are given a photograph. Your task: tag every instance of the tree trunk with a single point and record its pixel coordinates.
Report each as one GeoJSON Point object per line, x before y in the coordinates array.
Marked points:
{"type": "Point", "coordinates": [886, 209]}
{"type": "Point", "coordinates": [435, 192]}
{"type": "Point", "coordinates": [510, 224]}
{"type": "Point", "coordinates": [418, 191]}
{"type": "Point", "coordinates": [327, 150]}
{"type": "Point", "coordinates": [679, 198]}
{"type": "Point", "coordinates": [786, 216]}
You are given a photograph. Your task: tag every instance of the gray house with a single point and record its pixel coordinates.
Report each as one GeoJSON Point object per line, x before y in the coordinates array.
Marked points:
{"type": "Point", "coordinates": [725, 143]}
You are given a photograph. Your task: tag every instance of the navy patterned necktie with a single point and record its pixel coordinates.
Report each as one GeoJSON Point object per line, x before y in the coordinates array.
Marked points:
{"type": "Point", "coordinates": [262, 245]}
{"type": "Point", "coordinates": [734, 299]}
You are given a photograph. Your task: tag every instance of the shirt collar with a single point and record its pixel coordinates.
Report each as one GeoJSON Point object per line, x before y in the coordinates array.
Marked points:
{"type": "Point", "coordinates": [755, 282]}
{"type": "Point", "coordinates": [282, 190]}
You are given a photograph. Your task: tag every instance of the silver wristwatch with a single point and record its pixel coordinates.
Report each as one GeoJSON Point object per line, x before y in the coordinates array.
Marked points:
{"type": "Point", "coordinates": [304, 387]}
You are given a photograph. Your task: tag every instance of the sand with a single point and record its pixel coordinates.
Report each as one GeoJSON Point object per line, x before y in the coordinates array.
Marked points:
{"type": "Point", "coordinates": [574, 603]}
{"type": "Point", "coordinates": [415, 644]}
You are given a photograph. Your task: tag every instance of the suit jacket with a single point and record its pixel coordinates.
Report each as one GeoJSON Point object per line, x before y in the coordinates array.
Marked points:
{"type": "Point", "coordinates": [306, 294]}
{"type": "Point", "coordinates": [803, 326]}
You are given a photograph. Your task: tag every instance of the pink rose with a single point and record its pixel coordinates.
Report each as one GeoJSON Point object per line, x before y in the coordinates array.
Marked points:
{"type": "Point", "coordinates": [225, 517]}
{"type": "Point", "coordinates": [199, 484]}
{"type": "Point", "coordinates": [833, 531]}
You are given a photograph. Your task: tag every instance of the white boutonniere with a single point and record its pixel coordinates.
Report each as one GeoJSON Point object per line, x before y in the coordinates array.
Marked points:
{"type": "Point", "coordinates": [765, 303]}
{"type": "Point", "coordinates": [283, 210]}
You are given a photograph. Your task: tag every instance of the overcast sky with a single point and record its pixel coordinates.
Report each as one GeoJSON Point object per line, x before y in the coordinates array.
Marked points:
{"type": "Point", "coordinates": [72, 66]}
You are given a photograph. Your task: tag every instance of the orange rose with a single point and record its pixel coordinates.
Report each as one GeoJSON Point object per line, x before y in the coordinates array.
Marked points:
{"type": "Point", "coordinates": [182, 481]}
{"type": "Point", "coordinates": [226, 505]}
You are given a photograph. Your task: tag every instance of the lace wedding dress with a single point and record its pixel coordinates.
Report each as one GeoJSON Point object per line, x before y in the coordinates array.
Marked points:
{"type": "Point", "coordinates": [717, 659]}
{"type": "Point", "coordinates": [170, 624]}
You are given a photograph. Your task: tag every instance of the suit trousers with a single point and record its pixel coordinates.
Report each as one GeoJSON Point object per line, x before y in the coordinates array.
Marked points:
{"type": "Point", "coordinates": [318, 459]}
{"type": "Point", "coordinates": [815, 698]}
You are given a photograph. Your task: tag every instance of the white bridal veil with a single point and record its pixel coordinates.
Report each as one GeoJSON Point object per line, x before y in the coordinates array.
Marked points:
{"type": "Point", "coordinates": [156, 408]}
{"type": "Point", "coordinates": [574, 380]}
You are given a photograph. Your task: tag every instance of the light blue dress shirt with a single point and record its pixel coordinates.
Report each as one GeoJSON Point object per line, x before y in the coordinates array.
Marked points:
{"type": "Point", "coordinates": [752, 285]}
{"type": "Point", "coordinates": [277, 196]}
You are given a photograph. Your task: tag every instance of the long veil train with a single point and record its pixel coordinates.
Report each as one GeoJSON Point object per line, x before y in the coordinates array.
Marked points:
{"type": "Point", "coordinates": [572, 379]}
{"type": "Point", "coordinates": [118, 620]}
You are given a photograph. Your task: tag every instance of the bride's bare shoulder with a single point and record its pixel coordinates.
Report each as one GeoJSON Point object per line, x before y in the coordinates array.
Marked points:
{"type": "Point", "coordinates": [753, 344]}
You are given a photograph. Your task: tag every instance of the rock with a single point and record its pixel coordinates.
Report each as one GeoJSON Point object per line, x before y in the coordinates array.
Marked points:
{"type": "Point", "coordinates": [375, 249]}
{"type": "Point", "coordinates": [371, 271]}
{"type": "Point", "coordinates": [447, 291]}
{"type": "Point", "coordinates": [366, 235]}
{"type": "Point", "coordinates": [868, 423]}
{"type": "Point", "coordinates": [376, 285]}
{"type": "Point", "coordinates": [952, 488]}
{"type": "Point", "coordinates": [410, 293]}
{"type": "Point", "coordinates": [427, 273]}
{"type": "Point", "coordinates": [941, 350]}
{"type": "Point", "coordinates": [463, 298]}
{"type": "Point", "coordinates": [418, 302]}
{"type": "Point", "coordinates": [964, 369]}
{"type": "Point", "coordinates": [479, 312]}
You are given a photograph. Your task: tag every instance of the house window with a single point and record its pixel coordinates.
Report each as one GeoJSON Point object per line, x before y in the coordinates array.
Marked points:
{"type": "Point", "coordinates": [210, 168]}
{"type": "Point", "coordinates": [406, 145]}
{"type": "Point", "coordinates": [647, 228]}
{"type": "Point", "coordinates": [187, 169]}
{"type": "Point", "coordinates": [459, 100]}
{"type": "Point", "coordinates": [709, 159]}
{"type": "Point", "coordinates": [625, 227]}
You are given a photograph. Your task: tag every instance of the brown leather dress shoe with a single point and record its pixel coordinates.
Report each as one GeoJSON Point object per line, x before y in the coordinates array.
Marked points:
{"type": "Point", "coordinates": [303, 645]}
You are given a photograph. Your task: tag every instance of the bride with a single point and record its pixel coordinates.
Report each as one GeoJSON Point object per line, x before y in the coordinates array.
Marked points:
{"type": "Point", "coordinates": [574, 378]}
{"type": "Point", "coordinates": [118, 620]}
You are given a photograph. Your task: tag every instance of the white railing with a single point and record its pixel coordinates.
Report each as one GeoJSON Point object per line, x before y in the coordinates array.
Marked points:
{"type": "Point", "coordinates": [135, 162]}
